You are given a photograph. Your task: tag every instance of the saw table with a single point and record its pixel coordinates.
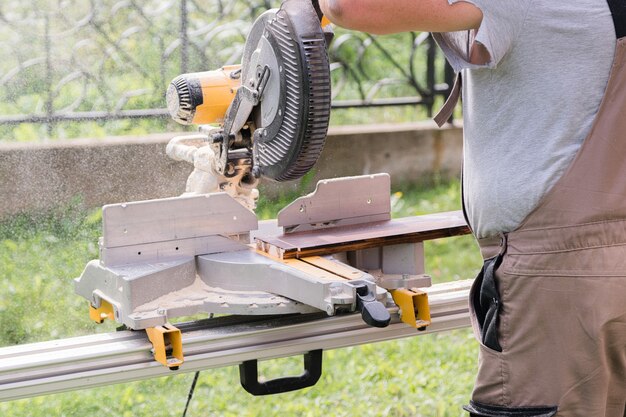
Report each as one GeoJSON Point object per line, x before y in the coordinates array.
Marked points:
{"type": "Point", "coordinates": [337, 235]}
{"type": "Point", "coordinates": [329, 239]}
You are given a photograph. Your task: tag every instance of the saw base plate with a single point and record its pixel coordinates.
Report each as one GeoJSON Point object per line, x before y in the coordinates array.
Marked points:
{"type": "Point", "coordinates": [330, 255]}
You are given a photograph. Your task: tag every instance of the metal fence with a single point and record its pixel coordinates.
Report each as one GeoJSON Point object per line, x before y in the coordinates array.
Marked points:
{"type": "Point", "coordinates": [89, 60]}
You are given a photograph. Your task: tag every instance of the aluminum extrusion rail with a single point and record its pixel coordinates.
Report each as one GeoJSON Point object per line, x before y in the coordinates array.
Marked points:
{"type": "Point", "coordinates": [111, 358]}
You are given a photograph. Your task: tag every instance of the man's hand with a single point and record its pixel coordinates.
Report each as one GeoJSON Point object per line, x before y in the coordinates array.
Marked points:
{"type": "Point", "coordinates": [392, 16]}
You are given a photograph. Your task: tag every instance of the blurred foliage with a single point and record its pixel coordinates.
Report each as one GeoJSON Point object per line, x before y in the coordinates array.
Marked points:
{"type": "Point", "coordinates": [108, 55]}
{"type": "Point", "coordinates": [428, 376]}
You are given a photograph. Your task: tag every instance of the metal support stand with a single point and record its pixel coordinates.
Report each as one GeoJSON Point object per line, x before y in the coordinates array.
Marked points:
{"type": "Point", "coordinates": [249, 377]}
{"type": "Point", "coordinates": [413, 305]}
{"type": "Point", "coordinates": [105, 359]}
{"type": "Point", "coordinates": [167, 345]}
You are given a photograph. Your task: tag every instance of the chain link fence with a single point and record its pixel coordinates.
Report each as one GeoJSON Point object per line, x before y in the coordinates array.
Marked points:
{"type": "Point", "coordinates": [100, 61]}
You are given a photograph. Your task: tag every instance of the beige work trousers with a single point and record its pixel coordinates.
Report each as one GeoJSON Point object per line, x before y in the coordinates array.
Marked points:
{"type": "Point", "coordinates": [549, 307]}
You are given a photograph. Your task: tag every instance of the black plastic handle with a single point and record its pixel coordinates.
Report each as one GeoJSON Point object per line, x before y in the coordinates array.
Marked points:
{"type": "Point", "coordinates": [373, 311]}
{"type": "Point", "coordinates": [249, 376]}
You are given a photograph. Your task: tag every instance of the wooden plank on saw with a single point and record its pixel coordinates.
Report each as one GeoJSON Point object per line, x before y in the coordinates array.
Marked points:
{"type": "Point", "coordinates": [364, 236]}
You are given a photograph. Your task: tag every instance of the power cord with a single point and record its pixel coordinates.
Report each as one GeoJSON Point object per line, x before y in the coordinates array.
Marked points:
{"type": "Point", "coordinates": [191, 391]}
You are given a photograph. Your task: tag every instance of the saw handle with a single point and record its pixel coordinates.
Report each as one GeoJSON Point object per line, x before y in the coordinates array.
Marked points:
{"type": "Point", "coordinates": [249, 377]}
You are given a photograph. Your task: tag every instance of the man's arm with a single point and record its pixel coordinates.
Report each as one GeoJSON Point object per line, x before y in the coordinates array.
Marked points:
{"type": "Point", "coordinates": [392, 16]}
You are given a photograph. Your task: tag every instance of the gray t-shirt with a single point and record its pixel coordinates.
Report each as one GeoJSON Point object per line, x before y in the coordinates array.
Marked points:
{"type": "Point", "coordinates": [528, 110]}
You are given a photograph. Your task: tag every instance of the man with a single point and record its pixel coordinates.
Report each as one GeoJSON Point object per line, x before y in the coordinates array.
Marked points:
{"type": "Point", "coordinates": [544, 179]}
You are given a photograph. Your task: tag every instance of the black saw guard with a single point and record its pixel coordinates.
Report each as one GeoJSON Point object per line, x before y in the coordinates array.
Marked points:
{"type": "Point", "coordinates": [290, 146]}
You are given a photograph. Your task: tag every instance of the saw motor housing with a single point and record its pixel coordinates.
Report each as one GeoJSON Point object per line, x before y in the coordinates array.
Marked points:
{"type": "Point", "coordinates": [186, 95]}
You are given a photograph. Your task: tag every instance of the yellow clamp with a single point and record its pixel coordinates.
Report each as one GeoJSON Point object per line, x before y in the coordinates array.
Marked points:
{"type": "Point", "coordinates": [105, 311]}
{"type": "Point", "coordinates": [414, 308]}
{"type": "Point", "coordinates": [167, 343]}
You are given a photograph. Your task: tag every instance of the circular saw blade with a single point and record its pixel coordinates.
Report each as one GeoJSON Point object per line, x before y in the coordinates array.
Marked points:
{"type": "Point", "coordinates": [294, 112]}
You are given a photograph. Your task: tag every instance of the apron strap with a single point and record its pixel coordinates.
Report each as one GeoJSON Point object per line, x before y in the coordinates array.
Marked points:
{"type": "Point", "coordinates": [618, 12]}
{"type": "Point", "coordinates": [443, 115]}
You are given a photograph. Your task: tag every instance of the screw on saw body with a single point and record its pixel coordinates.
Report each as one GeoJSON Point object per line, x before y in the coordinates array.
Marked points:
{"type": "Point", "coordinates": [235, 75]}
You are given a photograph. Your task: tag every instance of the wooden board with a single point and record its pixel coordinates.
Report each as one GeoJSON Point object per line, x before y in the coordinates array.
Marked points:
{"type": "Point", "coordinates": [319, 273]}
{"type": "Point", "coordinates": [364, 236]}
{"type": "Point", "coordinates": [337, 268]}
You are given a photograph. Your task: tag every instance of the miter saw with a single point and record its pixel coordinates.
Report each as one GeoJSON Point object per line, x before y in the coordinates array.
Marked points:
{"type": "Point", "coordinates": [273, 109]}
{"type": "Point", "coordinates": [333, 251]}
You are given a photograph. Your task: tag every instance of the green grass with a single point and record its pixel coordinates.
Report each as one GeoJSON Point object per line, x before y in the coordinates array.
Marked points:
{"type": "Point", "coordinates": [422, 376]}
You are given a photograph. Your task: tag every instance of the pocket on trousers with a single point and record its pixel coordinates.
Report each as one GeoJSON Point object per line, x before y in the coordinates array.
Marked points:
{"type": "Point", "coordinates": [485, 304]}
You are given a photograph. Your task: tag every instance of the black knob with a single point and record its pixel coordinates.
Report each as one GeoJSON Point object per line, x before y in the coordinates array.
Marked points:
{"type": "Point", "coordinates": [372, 311]}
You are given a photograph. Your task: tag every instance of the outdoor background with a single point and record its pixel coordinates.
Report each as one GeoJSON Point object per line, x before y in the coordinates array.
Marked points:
{"type": "Point", "coordinates": [107, 64]}
{"type": "Point", "coordinates": [98, 68]}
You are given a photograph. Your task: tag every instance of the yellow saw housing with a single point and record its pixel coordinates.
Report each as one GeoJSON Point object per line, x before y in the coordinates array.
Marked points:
{"type": "Point", "coordinates": [203, 97]}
